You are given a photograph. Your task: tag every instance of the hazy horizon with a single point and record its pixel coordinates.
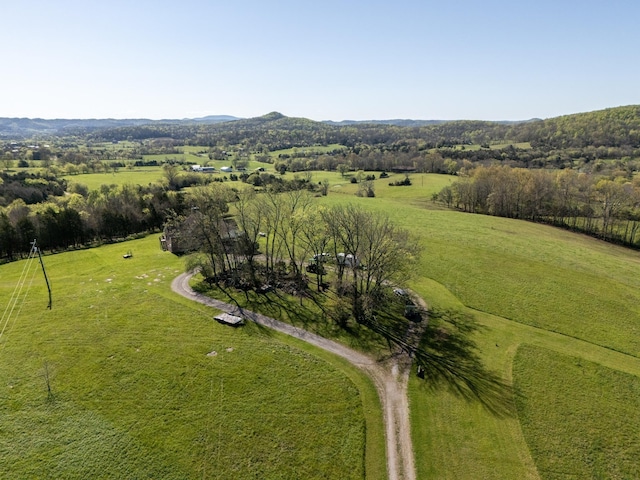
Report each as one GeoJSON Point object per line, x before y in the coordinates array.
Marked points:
{"type": "Point", "coordinates": [411, 59]}
{"type": "Point", "coordinates": [298, 116]}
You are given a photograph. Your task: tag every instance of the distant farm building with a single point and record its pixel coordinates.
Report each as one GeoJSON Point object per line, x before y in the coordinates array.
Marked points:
{"type": "Point", "coordinates": [199, 168]}
{"type": "Point", "coordinates": [347, 260]}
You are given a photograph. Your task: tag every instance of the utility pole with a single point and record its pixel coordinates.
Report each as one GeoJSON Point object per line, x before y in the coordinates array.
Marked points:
{"type": "Point", "coordinates": [34, 248]}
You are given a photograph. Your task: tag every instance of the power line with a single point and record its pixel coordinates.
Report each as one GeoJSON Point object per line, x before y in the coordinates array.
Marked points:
{"type": "Point", "coordinates": [15, 295]}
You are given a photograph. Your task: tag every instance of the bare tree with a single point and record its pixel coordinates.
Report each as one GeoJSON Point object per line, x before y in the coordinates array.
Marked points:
{"type": "Point", "coordinates": [374, 253]}
{"type": "Point", "coordinates": [250, 222]}
{"type": "Point", "coordinates": [315, 236]}
{"type": "Point", "coordinates": [206, 225]}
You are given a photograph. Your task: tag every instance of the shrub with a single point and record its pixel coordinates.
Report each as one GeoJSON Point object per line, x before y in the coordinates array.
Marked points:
{"type": "Point", "coordinates": [401, 183]}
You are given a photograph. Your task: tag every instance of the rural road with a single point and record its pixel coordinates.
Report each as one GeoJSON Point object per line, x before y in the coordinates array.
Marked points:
{"type": "Point", "coordinates": [390, 379]}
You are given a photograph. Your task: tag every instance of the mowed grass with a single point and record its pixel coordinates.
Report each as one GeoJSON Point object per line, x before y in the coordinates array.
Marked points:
{"type": "Point", "coordinates": [533, 274]}
{"type": "Point", "coordinates": [134, 393]}
{"type": "Point", "coordinates": [580, 419]}
{"type": "Point", "coordinates": [523, 283]}
{"type": "Point", "coordinates": [135, 176]}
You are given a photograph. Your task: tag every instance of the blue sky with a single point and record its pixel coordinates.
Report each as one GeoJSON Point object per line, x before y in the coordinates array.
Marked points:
{"type": "Point", "coordinates": [458, 59]}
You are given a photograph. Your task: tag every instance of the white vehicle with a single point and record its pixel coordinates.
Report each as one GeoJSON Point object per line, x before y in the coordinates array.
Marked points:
{"type": "Point", "coordinates": [347, 260]}
{"type": "Point", "coordinates": [321, 257]}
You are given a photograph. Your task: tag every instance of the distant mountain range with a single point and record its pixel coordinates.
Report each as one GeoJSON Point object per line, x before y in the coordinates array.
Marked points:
{"type": "Point", "coordinates": [24, 127]}
{"type": "Point", "coordinates": [20, 127]}
{"type": "Point", "coordinates": [613, 127]}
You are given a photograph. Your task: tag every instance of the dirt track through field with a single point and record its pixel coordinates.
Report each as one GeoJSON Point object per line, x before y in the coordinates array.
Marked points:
{"type": "Point", "coordinates": [390, 379]}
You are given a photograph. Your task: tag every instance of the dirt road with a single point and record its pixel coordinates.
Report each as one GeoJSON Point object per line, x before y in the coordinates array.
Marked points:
{"type": "Point", "coordinates": [390, 379]}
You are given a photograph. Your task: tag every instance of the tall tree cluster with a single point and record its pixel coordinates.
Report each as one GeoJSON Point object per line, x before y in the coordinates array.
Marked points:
{"type": "Point", "coordinates": [599, 206]}
{"type": "Point", "coordinates": [103, 215]}
{"type": "Point", "coordinates": [274, 239]}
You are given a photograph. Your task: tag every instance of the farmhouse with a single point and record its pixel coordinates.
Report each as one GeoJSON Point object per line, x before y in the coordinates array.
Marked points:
{"type": "Point", "coordinates": [179, 237]}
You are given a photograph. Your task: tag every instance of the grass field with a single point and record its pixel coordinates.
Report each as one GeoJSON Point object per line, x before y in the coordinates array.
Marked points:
{"type": "Point", "coordinates": [524, 283]}
{"type": "Point", "coordinates": [559, 312]}
{"type": "Point", "coordinates": [583, 420]}
{"type": "Point", "coordinates": [137, 175]}
{"type": "Point", "coordinates": [135, 394]}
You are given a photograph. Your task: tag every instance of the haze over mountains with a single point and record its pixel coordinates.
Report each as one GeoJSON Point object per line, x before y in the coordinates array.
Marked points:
{"type": "Point", "coordinates": [29, 126]}
{"type": "Point", "coordinates": [613, 127]}
{"type": "Point", "coordinates": [20, 127]}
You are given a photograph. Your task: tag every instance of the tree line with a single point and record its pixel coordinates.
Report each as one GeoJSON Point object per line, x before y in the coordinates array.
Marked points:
{"type": "Point", "coordinates": [65, 216]}
{"type": "Point", "coordinates": [78, 219]}
{"type": "Point", "coordinates": [608, 208]}
{"type": "Point", "coordinates": [590, 142]}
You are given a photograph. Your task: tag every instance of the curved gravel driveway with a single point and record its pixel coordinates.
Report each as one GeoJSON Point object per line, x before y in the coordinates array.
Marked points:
{"type": "Point", "coordinates": [389, 378]}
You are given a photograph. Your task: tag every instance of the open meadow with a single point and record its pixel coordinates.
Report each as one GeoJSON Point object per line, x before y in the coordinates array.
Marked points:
{"type": "Point", "coordinates": [135, 393]}
{"type": "Point", "coordinates": [526, 284]}
{"type": "Point", "coordinates": [145, 384]}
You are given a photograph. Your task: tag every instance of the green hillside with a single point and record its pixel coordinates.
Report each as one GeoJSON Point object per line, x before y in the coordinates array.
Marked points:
{"type": "Point", "coordinates": [129, 370]}
{"type": "Point", "coordinates": [524, 284]}
{"type": "Point", "coordinates": [145, 384]}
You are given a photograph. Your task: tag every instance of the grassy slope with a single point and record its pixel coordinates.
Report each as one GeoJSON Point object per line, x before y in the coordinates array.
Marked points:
{"type": "Point", "coordinates": [525, 283]}
{"type": "Point", "coordinates": [135, 394]}
{"type": "Point", "coordinates": [597, 407]}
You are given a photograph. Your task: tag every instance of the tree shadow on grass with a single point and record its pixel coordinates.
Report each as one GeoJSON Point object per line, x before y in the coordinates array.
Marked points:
{"type": "Point", "coordinates": [310, 314]}
{"type": "Point", "coordinates": [448, 358]}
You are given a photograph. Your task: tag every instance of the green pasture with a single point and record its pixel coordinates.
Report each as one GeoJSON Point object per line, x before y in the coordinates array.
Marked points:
{"type": "Point", "coordinates": [533, 274]}
{"type": "Point", "coordinates": [524, 284]}
{"type": "Point", "coordinates": [145, 384]}
{"type": "Point", "coordinates": [597, 407]}
{"type": "Point", "coordinates": [338, 183]}
{"type": "Point", "coordinates": [418, 194]}
{"type": "Point", "coordinates": [558, 315]}
{"type": "Point", "coordinates": [135, 175]}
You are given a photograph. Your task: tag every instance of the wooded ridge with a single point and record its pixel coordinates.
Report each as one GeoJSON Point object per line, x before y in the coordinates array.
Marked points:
{"type": "Point", "coordinates": [613, 127]}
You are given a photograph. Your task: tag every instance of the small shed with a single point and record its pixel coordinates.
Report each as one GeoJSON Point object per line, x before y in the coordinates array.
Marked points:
{"type": "Point", "coordinates": [228, 319]}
